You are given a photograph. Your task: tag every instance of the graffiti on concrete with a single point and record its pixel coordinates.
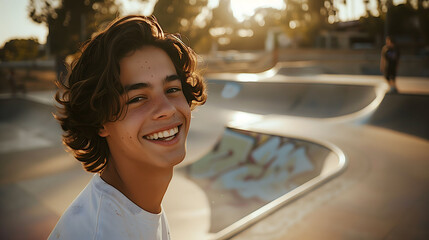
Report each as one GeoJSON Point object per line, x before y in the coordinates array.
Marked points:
{"type": "Point", "coordinates": [246, 170]}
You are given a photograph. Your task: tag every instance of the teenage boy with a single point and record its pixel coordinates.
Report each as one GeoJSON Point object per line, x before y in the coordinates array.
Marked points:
{"type": "Point", "coordinates": [126, 109]}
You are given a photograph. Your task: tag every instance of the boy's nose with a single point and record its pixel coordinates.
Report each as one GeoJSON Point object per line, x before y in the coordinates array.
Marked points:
{"type": "Point", "coordinates": [164, 108]}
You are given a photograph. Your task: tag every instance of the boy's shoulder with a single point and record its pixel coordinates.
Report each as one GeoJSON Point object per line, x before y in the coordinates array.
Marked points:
{"type": "Point", "coordinates": [94, 211]}
{"type": "Point", "coordinates": [79, 220]}
{"type": "Point", "coordinates": [102, 212]}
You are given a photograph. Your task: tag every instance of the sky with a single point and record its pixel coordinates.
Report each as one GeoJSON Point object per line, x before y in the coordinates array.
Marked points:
{"type": "Point", "coordinates": [15, 23]}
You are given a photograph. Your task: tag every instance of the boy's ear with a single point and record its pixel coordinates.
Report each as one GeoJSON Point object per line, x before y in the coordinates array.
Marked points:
{"type": "Point", "coordinates": [102, 132]}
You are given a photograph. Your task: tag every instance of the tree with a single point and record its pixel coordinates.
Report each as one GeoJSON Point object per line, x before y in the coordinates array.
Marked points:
{"type": "Point", "coordinates": [20, 49]}
{"type": "Point", "coordinates": [221, 24]}
{"type": "Point", "coordinates": [407, 21]}
{"type": "Point", "coordinates": [195, 20]}
{"type": "Point", "coordinates": [304, 19]}
{"type": "Point", "coordinates": [179, 16]}
{"type": "Point", "coordinates": [71, 22]}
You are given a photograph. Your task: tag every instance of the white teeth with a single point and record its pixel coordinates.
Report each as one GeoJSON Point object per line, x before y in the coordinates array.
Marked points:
{"type": "Point", "coordinates": [168, 134]}
{"type": "Point", "coordinates": [169, 138]}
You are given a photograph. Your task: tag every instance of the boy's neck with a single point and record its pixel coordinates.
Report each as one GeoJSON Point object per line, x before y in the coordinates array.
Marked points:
{"type": "Point", "coordinates": [144, 186]}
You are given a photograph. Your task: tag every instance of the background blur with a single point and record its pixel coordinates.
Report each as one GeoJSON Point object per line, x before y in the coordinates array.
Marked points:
{"type": "Point", "coordinates": [323, 36]}
{"type": "Point", "coordinates": [319, 62]}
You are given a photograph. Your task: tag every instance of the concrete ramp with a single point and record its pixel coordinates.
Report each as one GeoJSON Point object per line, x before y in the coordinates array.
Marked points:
{"type": "Point", "coordinates": [27, 125]}
{"type": "Point", "coordinates": [313, 100]}
{"type": "Point", "coordinates": [243, 175]}
{"type": "Point", "coordinates": [322, 97]}
{"type": "Point", "coordinates": [249, 175]}
{"type": "Point", "coordinates": [235, 187]}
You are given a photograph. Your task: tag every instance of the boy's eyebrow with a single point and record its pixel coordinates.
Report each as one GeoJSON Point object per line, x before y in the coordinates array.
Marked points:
{"type": "Point", "coordinates": [172, 78]}
{"type": "Point", "coordinates": [135, 86]}
{"type": "Point", "coordinates": [141, 85]}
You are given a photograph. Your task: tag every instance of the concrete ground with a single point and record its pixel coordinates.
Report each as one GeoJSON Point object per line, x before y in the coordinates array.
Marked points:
{"type": "Point", "coordinates": [382, 194]}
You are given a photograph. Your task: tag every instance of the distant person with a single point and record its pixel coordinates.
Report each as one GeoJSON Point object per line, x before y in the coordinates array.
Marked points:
{"type": "Point", "coordinates": [126, 111]}
{"type": "Point", "coordinates": [389, 62]}
{"type": "Point", "coordinates": [15, 84]}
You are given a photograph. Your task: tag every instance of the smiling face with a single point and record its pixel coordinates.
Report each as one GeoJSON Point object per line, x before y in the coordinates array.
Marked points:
{"type": "Point", "coordinates": [154, 128]}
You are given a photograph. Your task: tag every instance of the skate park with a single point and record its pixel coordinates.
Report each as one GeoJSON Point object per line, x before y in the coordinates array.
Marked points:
{"type": "Point", "coordinates": [270, 156]}
{"type": "Point", "coordinates": [301, 136]}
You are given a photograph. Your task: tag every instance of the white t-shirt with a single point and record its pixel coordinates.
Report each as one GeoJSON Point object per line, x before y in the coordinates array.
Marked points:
{"type": "Point", "coordinates": [102, 212]}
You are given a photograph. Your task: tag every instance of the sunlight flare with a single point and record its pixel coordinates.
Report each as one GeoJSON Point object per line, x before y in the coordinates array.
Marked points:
{"type": "Point", "coordinates": [243, 9]}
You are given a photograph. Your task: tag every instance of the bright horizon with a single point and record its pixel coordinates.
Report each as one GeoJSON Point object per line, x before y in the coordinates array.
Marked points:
{"type": "Point", "coordinates": [15, 22]}
{"type": "Point", "coordinates": [23, 27]}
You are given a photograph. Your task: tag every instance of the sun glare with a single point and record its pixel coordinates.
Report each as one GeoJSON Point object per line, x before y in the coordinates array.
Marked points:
{"type": "Point", "coordinates": [243, 9]}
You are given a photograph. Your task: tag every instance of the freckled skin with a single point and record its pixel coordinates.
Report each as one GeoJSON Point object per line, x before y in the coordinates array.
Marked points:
{"type": "Point", "coordinates": [140, 168]}
{"type": "Point", "coordinates": [159, 110]}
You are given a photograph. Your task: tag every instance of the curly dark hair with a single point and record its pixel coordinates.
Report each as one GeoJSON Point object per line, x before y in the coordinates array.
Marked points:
{"type": "Point", "coordinates": [91, 95]}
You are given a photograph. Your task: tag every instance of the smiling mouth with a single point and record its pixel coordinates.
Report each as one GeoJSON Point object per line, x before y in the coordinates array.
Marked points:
{"type": "Point", "coordinates": [165, 135]}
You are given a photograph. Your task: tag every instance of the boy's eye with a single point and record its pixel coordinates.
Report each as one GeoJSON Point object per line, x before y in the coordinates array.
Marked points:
{"type": "Point", "coordinates": [174, 89]}
{"type": "Point", "coordinates": [136, 99]}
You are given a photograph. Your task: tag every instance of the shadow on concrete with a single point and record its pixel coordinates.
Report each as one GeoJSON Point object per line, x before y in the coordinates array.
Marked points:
{"type": "Point", "coordinates": [30, 116]}
{"type": "Point", "coordinates": [403, 113]}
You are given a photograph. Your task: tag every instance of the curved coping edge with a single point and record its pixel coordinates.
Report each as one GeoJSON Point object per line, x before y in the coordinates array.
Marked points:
{"type": "Point", "coordinates": [380, 90]}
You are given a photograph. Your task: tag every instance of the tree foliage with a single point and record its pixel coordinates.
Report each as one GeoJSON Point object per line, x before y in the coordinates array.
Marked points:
{"type": "Point", "coordinates": [193, 19]}
{"type": "Point", "coordinates": [408, 21]}
{"type": "Point", "coordinates": [178, 16]}
{"type": "Point", "coordinates": [404, 20]}
{"type": "Point", "coordinates": [20, 49]}
{"type": "Point", "coordinates": [71, 22]}
{"type": "Point", "coordinates": [305, 19]}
